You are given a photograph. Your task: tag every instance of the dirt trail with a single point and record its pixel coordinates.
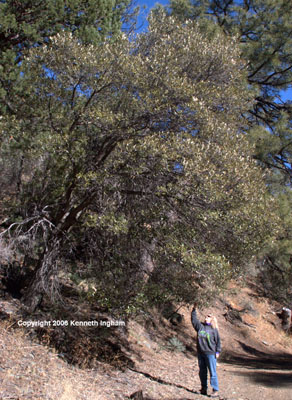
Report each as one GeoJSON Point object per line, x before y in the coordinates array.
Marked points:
{"type": "Point", "coordinates": [255, 364]}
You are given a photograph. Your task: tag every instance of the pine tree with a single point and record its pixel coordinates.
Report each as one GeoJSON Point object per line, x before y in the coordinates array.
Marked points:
{"type": "Point", "coordinates": [28, 23]}
{"type": "Point", "coordinates": [263, 29]}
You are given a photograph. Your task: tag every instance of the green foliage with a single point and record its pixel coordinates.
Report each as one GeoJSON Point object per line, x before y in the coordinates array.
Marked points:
{"type": "Point", "coordinates": [263, 32]}
{"type": "Point", "coordinates": [174, 344]}
{"type": "Point", "coordinates": [276, 269]}
{"type": "Point", "coordinates": [137, 148]}
{"type": "Point", "coordinates": [26, 24]}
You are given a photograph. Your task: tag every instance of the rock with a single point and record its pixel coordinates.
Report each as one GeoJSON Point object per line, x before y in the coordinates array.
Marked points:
{"type": "Point", "coordinates": [285, 316]}
{"type": "Point", "coordinates": [233, 316]}
{"type": "Point", "coordinates": [176, 318]}
{"type": "Point", "coordinates": [137, 395]}
{"type": "Point", "coordinates": [9, 308]}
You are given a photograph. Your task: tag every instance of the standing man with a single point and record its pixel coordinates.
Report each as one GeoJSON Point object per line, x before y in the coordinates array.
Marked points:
{"type": "Point", "coordinates": [208, 348]}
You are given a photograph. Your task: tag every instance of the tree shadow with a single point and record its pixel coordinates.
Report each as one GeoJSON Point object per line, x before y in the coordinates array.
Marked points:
{"type": "Point", "coordinates": [262, 368]}
{"type": "Point", "coordinates": [162, 330]}
{"type": "Point", "coordinates": [256, 359]}
{"type": "Point", "coordinates": [275, 379]}
{"type": "Point", "coordinates": [164, 382]}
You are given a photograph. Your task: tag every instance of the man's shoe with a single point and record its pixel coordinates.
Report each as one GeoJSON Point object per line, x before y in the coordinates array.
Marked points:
{"type": "Point", "coordinates": [203, 391]}
{"type": "Point", "coordinates": [214, 394]}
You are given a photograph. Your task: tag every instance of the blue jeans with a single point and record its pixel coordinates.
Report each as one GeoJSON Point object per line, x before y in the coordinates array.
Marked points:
{"type": "Point", "coordinates": [208, 362]}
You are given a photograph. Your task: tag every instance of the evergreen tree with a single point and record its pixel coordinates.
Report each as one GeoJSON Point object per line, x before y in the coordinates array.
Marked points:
{"type": "Point", "coordinates": [263, 29]}
{"type": "Point", "coordinates": [28, 23]}
{"type": "Point", "coordinates": [135, 145]}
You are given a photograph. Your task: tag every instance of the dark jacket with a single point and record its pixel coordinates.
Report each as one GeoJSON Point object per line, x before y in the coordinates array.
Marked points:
{"type": "Point", "coordinates": [208, 339]}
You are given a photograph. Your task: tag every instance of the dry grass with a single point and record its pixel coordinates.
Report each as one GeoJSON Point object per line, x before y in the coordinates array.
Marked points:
{"type": "Point", "coordinates": [32, 371]}
{"type": "Point", "coordinates": [29, 370]}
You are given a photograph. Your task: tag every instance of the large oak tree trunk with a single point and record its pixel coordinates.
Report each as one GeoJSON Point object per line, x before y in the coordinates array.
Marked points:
{"type": "Point", "coordinates": [43, 279]}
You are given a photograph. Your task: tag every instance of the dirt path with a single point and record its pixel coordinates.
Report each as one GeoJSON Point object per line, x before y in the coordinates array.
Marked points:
{"type": "Point", "coordinates": [256, 362]}
{"type": "Point", "coordinates": [30, 372]}
{"type": "Point", "coordinates": [241, 378]}
{"type": "Point", "coordinates": [254, 383]}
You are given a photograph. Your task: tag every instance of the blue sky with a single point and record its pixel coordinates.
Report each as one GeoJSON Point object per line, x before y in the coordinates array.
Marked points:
{"type": "Point", "coordinates": [148, 4]}
{"type": "Point", "coordinates": [287, 95]}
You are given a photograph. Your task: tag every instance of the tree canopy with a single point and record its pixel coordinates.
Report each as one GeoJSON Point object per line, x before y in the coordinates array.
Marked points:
{"type": "Point", "coordinates": [138, 150]}
{"type": "Point", "coordinates": [25, 24]}
{"type": "Point", "coordinates": [263, 30]}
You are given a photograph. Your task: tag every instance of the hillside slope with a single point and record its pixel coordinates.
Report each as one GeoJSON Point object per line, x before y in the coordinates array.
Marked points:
{"type": "Point", "coordinates": [157, 357]}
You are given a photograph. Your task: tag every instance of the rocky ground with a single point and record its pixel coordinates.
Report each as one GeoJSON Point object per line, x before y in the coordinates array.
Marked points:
{"type": "Point", "coordinates": [158, 358]}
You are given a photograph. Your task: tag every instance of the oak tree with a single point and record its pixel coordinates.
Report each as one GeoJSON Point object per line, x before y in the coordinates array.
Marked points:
{"type": "Point", "coordinates": [137, 145]}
